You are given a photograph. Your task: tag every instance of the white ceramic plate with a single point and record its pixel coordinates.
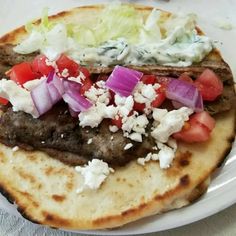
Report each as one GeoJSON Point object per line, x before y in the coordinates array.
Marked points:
{"type": "Point", "coordinates": [222, 191]}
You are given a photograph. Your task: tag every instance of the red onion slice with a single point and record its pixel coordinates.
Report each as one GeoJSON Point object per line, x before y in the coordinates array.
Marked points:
{"type": "Point", "coordinates": [184, 93]}
{"type": "Point", "coordinates": [55, 85]}
{"type": "Point", "coordinates": [72, 96]}
{"type": "Point", "coordinates": [42, 98]}
{"type": "Point", "coordinates": [199, 103]}
{"type": "Point", "coordinates": [123, 80]}
{"type": "Point", "coordinates": [76, 102]}
{"type": "Point", "coordinates": [177, 105]}
{"type": "Point", "coordinates": [47, 93]}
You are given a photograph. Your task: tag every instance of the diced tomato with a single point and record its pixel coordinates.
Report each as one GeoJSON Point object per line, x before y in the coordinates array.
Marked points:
{"type": "Point", "coordinates": [117, 122]}
{"type": "Point", "coordinates": [209, 85]}
{"type": "Point", "coordinates": [112, 97]}
{"type": "Point", "coordinates": [22, 73]}
{"type": "Point", "coordinates": [160, 97]}
{"type": "Point", "coordinates": [163, 80]}
{"type": "Point", "coordinates": [198, 128]}
{"type": "Point", "coordinates": [102, 77]}
{"type": "Point", "coordinates": [86, 85]}
{"type": "Point", "coordinates": [3, 101]}
{"type": "Point", "coordinates": [139, 106]}
{"type": "Point", "coordinates": [185, 77]}
{"type": "Point", "coordinates": [205, 119]}
{"type": "Point", "coordinates": [39, 65]}
{"type": "Point", "coordinates": [65, 62]}
{"type": "Point", "coordinates": [149, 79]}
{"type": "Point", "coordinates": [85, 71]}
{"type": "Point", "coordinates": [195, 133]}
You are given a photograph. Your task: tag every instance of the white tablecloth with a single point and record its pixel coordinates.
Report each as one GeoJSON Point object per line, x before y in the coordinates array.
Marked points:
{"type": "Point", "coordinates": [221, 224]}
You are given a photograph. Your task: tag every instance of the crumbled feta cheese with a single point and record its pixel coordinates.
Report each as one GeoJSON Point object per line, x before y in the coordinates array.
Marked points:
{"type": "Point", "coordinates": [172, 143]}
{"type": "Point", "coordinates": [129, 103]}
{"type": "Point", "coordinates": [31, 84]}
{"type": "Point", "coordinates": [155, 157]}
{"type": "Point", "coordinates": [139, 98]}
{"type": "Point", "coordinates": [93, 116]}
{"type": "Point", "coordinates": [113, 128]}
{"type": "Point", "coordinates": [91, 94]}
{"type": "Point", "coordinates": [65, 73]}
{"type": "Point", "coordinates": [123, 111]}
{"type": "Point", "coordinates": [110, 112]}
{"type": "Point", "coordinates": [90, 141]}
{"type": "Point", "coordinates": [101, 84]}
{"type": "Point", "coordinates": [135, 137]}
{"type": "Point", "coordinates": [19, 97]}
{"type": "Point", "coordinates": [149, 92]}
{"type": "Point", "coordinates": [171, 123]}
{"type": "Point", "coordinates": [158, 114]}
{"type": "Point", "coordinates": [112, 137]}
{"type": "Point", "coordinates": [119, 100]}
{"type": "Point", "coordinates": [124, 105]}
{"type": "Point", "coordinates": [135, 123]}
{"type": "Point", "coordinates": [128, 146]}
{"type": "Point", "coordinates": [79, 79]}
{"type": "Point", "coordinates": [51, 63]}
{"type": "Point", "coordinates": [143, 160]}
{"type": "Point", "coordinates": [140, 124]}
{"type": "Point", "coordinates": [165, 155]}
{"type": "Point", "coordinates": [164, 125]}
{"type": "Point", "coordinates": [98, 93]}
{"type": "Point", "coordinates": [128, 123]}
{"type": "Point", "coordinates": [15, 149]}
{"type": "Point", "coordinates": [94, 174]}
{"type": "Point", "coordinates": [145, 93]}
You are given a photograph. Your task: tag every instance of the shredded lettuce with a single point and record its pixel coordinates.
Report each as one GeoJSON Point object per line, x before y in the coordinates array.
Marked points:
{"type": "Point", "coordinates": [44, 26]}
{"type": "Point", "coordinates": [117, 21]}
{"type": "Point", "coordinates": [151, 32]}
{"type": "Point", "coordinates": [85, 36]}
{"type": "Point", "coordinates": [55, 41]}
{"type": "Point", "coordinates": [31, 44]}
{"type": "Point", "coordinates": [188, 22]}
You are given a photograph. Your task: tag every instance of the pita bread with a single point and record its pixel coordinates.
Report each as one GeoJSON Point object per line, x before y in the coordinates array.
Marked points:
{"type": "Point", "coordinates": [44, 189]}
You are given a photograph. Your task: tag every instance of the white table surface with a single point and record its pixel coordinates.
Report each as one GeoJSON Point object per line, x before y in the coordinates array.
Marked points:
{"type": "Point", "coordinates": [13, 13]}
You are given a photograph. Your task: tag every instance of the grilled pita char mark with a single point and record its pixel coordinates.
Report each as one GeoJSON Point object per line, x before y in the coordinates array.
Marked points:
{"type": "Point", "coordinates": [8, 58]}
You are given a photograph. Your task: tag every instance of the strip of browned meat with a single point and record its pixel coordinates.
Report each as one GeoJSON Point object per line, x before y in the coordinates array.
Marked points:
{"type": "Point", "coordinates": [60, 135]}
